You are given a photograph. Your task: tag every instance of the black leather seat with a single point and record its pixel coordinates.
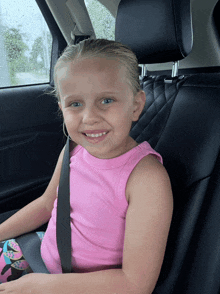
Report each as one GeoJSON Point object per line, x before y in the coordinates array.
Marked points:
{"type": "Point", "coordinates": [181, 120]}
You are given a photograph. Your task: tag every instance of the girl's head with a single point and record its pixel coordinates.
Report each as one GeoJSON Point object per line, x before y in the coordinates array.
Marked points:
{"type": "Point", "coordinates": [98, 90]}
{"type": "Point", "coordinates": [91, 48]}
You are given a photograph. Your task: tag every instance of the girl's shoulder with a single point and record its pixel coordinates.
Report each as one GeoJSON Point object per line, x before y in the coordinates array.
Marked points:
{"type": "Point", "coordinates": [150, 172]}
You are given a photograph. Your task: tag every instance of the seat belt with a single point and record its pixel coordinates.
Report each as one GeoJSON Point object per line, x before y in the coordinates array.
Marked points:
{"type": "Point", "coordinates": [30, 246]}
{"type": "Point", "coordinates": [30, 243]}
{"type": "Point", "coordinates": [63, 228]}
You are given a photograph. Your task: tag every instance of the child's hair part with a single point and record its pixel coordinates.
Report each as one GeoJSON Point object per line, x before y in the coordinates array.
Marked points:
{"type": "Point", "coordinates": [94, 48]}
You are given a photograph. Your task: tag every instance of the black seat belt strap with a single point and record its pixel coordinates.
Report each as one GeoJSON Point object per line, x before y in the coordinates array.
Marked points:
{"type": "Point", "coordinates": [63, 229]}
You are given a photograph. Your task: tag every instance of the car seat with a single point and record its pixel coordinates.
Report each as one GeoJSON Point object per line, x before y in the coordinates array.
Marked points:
{"type": "Point", "coordinates": [181, 120]}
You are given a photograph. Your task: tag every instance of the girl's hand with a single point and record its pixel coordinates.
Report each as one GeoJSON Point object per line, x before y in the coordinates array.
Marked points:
{"type": "Point", "coordinates": [29, 284]}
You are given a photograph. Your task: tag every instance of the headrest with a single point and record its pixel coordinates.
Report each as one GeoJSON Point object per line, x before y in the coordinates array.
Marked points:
{"type": "Point", "coordinates": [156, 30]}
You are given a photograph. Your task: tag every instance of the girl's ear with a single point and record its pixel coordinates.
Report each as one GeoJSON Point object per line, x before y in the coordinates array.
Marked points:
{"type": "Point", "coordinates": [139, 103]}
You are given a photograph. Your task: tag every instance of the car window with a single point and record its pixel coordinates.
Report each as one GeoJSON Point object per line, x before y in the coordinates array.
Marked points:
{"type": "Point", "coordinates": [25, 44]}
{"type": "Point", "coordinates": [102, 20]}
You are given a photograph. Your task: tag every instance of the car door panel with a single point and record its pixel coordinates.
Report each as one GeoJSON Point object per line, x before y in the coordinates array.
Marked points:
{"type": "Point", "coordinates": [31, 139]}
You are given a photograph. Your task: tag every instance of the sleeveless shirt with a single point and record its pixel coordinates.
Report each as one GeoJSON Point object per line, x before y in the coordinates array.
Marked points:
{"type": "Point", "coordinates": [98, 210]}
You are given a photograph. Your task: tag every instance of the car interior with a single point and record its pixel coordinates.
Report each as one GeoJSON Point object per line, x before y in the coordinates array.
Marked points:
{"type": "Point", "coordinates": [177, 45]}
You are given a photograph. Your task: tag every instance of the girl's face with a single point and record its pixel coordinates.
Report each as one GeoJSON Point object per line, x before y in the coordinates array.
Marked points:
{"type": "Point", "coordinates": [95, 99]}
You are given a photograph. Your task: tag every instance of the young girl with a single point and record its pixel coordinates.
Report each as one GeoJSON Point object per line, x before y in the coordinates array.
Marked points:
{"type": "Point", "coordinates": [120, 193]}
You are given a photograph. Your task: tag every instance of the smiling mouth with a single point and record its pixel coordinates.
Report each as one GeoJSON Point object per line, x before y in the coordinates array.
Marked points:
{"type": "Point", "coordinates": [95, 138]}
{"type": "Point", "coordinates": [95, 135]}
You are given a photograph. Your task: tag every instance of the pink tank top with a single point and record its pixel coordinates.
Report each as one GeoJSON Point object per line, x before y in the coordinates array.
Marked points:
{"type": "Point", "coordinates": [98, 210]}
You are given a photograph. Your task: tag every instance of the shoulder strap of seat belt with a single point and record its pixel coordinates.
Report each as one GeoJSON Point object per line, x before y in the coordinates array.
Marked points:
{"type": "Point", "coordinates": [63, 229]}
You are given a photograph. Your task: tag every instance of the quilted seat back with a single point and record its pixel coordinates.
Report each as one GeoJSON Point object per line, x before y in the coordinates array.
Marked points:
{"type": "Point", "coordinates": [160, 97]}
{"type": "Point", "coordinates": [182, 122]}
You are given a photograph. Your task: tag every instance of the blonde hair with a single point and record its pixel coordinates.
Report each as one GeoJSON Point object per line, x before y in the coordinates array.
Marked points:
{"type": "Point", "coordinates": [91, 48]}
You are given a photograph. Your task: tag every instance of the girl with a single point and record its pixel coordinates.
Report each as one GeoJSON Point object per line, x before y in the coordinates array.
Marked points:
{"type": "Point", "coordinates": [120, 193]}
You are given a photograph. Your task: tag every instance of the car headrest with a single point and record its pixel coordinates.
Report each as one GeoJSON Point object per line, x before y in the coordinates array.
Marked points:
{"type": "Point", "coordinates": [156, 30]}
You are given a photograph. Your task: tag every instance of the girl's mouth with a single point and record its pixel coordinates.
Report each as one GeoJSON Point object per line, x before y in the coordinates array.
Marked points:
{"type": "Point", "coordinates": [95, 138]}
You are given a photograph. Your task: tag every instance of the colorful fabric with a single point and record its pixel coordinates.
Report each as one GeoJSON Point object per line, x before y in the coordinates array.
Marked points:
{"type": "Point", "coordinates": [12, 262]}
{"type": "Point", "coordinates": [98, 210]}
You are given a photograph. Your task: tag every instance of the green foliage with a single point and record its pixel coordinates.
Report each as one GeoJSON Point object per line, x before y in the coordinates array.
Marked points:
{"type": "Point", "coordinates": [15, 48]}
{"type": "Point", "coordinates": [39, 59]}
{"type": "Point", "coordinates": [18, 62]}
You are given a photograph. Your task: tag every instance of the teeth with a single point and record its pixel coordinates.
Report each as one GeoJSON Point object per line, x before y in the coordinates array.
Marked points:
{"type": "Point", "coordinates": [96, 135]}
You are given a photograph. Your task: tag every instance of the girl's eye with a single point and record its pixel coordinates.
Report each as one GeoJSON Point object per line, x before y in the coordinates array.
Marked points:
{"type": "Point", "coordinates": [75, 104]}
{"type": "Point", "coordinates": [108, 99]}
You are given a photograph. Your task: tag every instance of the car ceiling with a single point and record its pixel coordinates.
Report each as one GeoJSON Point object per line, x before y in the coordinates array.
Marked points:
{"type": "Point", "coordinates": [73, 19]}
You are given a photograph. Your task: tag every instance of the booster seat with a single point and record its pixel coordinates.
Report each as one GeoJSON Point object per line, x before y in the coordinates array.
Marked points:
{"type": "Point", "coordinates": [181, 120]}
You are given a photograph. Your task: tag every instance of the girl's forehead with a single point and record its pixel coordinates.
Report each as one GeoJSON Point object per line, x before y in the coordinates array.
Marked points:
{"type": "Point", "coordinates": [97, 73]}
{"type": "Point", "coordinates": [95, 63]}
{"type": "Point", "coordinates": [110, 67]}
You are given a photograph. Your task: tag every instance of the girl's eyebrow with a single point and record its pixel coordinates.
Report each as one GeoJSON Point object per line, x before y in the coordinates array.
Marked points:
{"type": "Point", "coordinates": [72, 96]}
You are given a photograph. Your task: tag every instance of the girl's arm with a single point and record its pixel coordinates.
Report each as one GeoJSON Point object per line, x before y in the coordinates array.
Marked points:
{"type": "Point", "coordinates": [147, 225]}
{"type": "Point", "coordinates": [34, 214]}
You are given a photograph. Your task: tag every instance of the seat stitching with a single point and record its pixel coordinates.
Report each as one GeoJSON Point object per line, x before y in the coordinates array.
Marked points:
{"type": "Point", "coordinates": [143, 128]}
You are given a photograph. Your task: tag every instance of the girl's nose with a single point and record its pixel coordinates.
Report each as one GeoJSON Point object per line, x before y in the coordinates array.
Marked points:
{"type": "Point", "coordinates": [90, 115]}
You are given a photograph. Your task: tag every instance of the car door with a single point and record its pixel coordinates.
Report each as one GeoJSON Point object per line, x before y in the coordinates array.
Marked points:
{"type": "Point", "coordinates": [31, 136]}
